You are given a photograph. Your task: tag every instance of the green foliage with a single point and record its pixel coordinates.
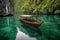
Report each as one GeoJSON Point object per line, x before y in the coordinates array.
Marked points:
{"type": "Point", "coordinates": [48, 6]}
{"type": "Point", "coordinates": [41, 6]}
{"type": "Point", "coordinates": [57, 12]}
{"type": "Point", "coordinates": [17, 5]}
{"type": "Point", "coordinates": [29, 5]}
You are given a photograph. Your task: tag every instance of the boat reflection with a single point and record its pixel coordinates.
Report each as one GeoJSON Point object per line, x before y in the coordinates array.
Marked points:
{"type": "Point", "coordinates": [27, 32]}
{"type": "Point", "coordinates": [31, 30]}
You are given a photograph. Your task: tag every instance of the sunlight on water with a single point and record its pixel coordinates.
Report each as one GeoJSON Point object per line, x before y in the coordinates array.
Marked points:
{"type": "Point", "coordinates": [23, 36]}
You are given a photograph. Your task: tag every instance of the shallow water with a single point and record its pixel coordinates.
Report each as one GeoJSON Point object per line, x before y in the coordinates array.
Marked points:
{"type": "Point", "coordinates": [49, 30]}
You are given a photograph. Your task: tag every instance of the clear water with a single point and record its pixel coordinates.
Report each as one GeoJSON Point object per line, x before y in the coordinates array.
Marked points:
{"type": "Point", "coordinates": [50, 28]}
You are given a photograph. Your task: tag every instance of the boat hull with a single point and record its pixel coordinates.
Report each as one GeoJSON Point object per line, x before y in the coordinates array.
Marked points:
{"type": "Point", "coordinates": [34, 23]}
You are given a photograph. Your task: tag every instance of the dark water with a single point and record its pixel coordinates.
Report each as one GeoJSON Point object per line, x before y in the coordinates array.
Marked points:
{"type": "Point", "coordinates": [49, 30]}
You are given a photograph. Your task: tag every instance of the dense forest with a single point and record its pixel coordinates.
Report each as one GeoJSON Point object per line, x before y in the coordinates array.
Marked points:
{"type": "Point", "coordinates": [38, 6]}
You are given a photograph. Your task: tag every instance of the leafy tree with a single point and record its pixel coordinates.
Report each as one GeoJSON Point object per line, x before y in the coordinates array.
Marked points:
{"type": "Point", "coordinates": [17, 5]}
{"type": "Point", "coordinates": [39, 6]}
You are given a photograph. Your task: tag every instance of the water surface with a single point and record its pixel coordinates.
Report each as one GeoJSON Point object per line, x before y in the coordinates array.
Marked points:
{"type": "Point", "coordinates": [49, 30]}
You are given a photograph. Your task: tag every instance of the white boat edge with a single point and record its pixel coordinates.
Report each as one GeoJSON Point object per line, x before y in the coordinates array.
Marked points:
{"type": "Point", "coordinates": [27, 15]}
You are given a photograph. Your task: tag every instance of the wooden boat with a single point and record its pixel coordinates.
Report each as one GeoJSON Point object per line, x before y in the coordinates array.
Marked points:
{"type": "Point", "coordinates": [34, 22]}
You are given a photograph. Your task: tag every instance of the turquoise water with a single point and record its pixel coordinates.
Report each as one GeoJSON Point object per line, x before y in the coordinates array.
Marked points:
{"type": "Point", "coordinates": [49, 30]}
{"type": "Point", "coordinates": [7, 28]}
